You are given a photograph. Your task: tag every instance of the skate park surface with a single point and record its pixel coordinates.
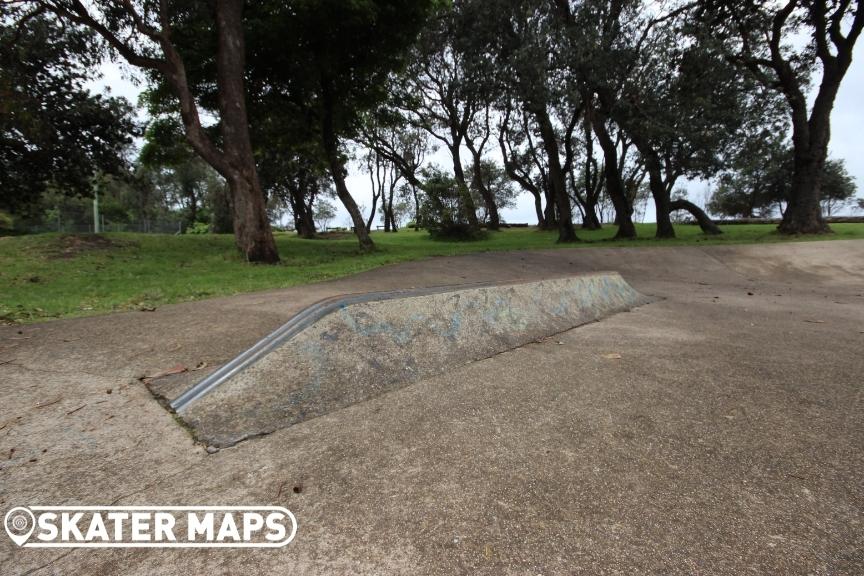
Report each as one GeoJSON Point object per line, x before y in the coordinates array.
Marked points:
{"type": "Point", "coordinates": [717, 429]}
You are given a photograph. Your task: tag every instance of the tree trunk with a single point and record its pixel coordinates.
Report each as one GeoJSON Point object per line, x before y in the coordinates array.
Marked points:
{"type": "Point", "coordinates": [614, 184]}
{"type": "Point", "coordinates": [416, 208]}
{"type": "Point", "coordinates": [811, 135]}
{"type": "Point", "coordinates": [804, 210]}
{"type": "Point", "coordinates": [705, 223]}
{"type": "Point", "coordinates": [304, 223]}
{"type": "Point", "coordinates": [222, 218]}
{"type": "Point", "coordinates": [494, 222]}
{"type": "Point", "coordinates": [189, 191]}
{"type": "Point", "coordinates": [521, 178]}
{"type": "Point", "coordinates": [386, 210]}
{"type": "Point", "coordinates": [306, 229]}
{"type": "Point", "coordinates": [590, 221]}
{"type": "Point", "coordinates": [469, 209]}
{"type": "Point", "coordinates": [372, 211]}
{"type": "Point", "coordinates": [251, 226]}
{"type": "Point", "coordinates": [557, 181]}
{"type": "Point", "coordinates": [538, 208]}
{"type": "Point", "coordinates": [659, 191]}
{"type": "Point", "coordinates": [550, 214]}
{"type": "Point", "coordinates": [337, 169]}
{"type": "Point", "coordinates": [391, 219]}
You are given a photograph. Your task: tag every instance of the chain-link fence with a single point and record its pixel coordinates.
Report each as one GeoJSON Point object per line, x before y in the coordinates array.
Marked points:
{"type": "Point", "coordinates": [76, 224]}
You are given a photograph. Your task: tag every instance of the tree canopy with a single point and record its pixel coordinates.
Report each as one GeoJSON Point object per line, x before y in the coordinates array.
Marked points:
{"type": "Point", "coordinates": [258, 110]}
{"type": "Point", "coordinates": [54, 134]}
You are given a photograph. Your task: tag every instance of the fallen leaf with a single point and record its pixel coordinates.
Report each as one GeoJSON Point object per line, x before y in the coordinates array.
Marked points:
{"type": "Point", "coordinates": [200, 366]}
{"type": "Point", "coordinates": [612, 356]}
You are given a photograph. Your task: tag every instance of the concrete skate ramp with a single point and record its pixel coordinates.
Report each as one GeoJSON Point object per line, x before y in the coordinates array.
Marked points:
{"type": "Point", "coordinates": [349, 349]}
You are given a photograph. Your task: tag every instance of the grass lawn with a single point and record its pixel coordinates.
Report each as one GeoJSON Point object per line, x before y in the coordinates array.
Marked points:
{"type": "Point", "coordinates": [54, 276]}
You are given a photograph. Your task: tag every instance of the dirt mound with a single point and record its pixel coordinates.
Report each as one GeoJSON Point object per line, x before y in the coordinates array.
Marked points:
{"type": "Point", "coordinates": [72, 245]}
{"type": "Point", "coordinates": [335, 235]}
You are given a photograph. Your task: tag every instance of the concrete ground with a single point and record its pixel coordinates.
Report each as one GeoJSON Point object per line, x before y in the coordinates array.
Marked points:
{"type": "Point", "coordinates": [728, 438]}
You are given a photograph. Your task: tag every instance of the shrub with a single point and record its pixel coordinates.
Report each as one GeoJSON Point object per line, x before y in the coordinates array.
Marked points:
{"type": "Point", "coordinates": [198, 228]}
{"type": "Point", "coordinates": [442, 213]}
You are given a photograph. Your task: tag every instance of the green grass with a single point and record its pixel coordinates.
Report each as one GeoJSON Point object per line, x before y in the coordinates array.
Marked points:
{"type": "Point", "coordinates": [53, 276]}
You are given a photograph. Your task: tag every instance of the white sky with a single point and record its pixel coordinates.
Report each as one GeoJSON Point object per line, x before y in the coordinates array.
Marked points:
{"type": "Point", "coordinates": [847, 130]}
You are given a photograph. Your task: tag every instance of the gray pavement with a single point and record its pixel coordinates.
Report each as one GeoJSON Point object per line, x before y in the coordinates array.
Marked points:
{"type": "Point", "coordinates": [728, 438]}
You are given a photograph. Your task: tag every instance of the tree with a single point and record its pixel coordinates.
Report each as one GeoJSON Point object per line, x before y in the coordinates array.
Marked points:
{"type": "Point", "coordinates": [181, 173]}
{"type": "Point", "coordinates": [757, 36]}
{"type": "Point", "coordinates": [143, 33]}
{"type": "Point", "coordinates": [597, 48]}
{"type": "Point", "coordinates": [442, 212]}
{"type": "Point", "coordinates": [838, 186]}
{"type": "Point", "coordinates": [759, 183]}
{"type": "Point", "coordinates": [326, 63]}
{"type": "Point", "coordinates": [524, 165]}
{"type": "Point", "coordinates": [438, 96]}
{"type": "Point", "coordinates": [519, 43]}
{"type": "Point", "coordinates": [294, 176]}
{"type": "Point", "coordinates": [684, 108]}
{"type": "Point", "coordinates": [405, 148]}
{"type": "Point", "coordinates": [498, 186]}
{"type": "Point", "coordinates": [324, 212]}
{"type": "Point", "coordinates": [398, 208]}
{"type": "Point", "coordinates": [54, 135]}
{"type": "Point", "coordinates": [384, 176]}
{"type": "Point", "coordinates": [749, 186]}
{"type": "Point", "coordinates": [587, 187]}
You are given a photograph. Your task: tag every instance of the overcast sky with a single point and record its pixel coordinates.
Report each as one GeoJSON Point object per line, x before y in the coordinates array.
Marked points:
{"type": "Point", "coordinates": [847, 130]}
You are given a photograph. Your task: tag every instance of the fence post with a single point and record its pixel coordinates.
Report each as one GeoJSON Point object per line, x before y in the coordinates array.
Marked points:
{"type": "Point", "coordinates": [96, 209]}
